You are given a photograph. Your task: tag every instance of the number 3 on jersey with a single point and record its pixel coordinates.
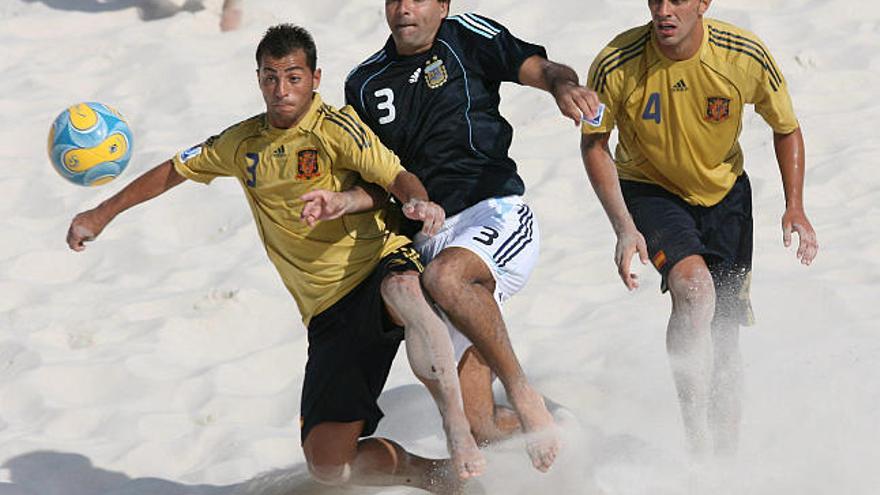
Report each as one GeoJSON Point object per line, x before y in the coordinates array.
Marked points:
{"type": "Point", "coordinates": [652, 109]}
{"type": "Point", "coordinates": [386, 106]}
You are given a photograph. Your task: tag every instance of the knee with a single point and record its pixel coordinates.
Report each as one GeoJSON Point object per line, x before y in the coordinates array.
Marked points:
{"type": "Point", "coordinates": [440, 278]}
{"type": "Point", "coordinates": [692, 288]}
{"type": "Point", "coordinates": [401, 287]}
{"type": "Point", "coordinates": [330, 474]}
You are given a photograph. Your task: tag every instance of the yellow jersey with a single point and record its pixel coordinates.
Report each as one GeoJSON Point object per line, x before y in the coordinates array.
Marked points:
{"type": "Point", "coordinates": [329, 149]}
{"type": "Point", "coordinates": [679, 121]}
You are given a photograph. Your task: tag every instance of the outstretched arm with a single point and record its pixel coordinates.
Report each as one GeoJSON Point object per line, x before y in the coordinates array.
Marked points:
{"type": "Point", "coordinates": [327, 205]}
{"type": "Point", "coordinates": [321, 204]}
{"type": "Point", "coordinates": [561, 81]}
{"type": "Point", "coordinates": [603, 176]}
{"type": "Point", "coordinates": [790, 157]}
{"type": "Point", "coordinates": [86, 226]}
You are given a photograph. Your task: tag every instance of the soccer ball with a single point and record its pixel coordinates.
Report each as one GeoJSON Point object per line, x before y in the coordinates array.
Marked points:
{"type": "Point", "coordinates": [89, 144]}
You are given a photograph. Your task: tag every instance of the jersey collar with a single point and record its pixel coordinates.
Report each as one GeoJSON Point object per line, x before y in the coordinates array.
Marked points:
{"type": "Point", "coordinates": [665, 61]}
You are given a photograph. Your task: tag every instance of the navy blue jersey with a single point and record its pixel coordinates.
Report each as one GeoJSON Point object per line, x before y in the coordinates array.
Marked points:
{"type": "Point", "coordinates": [438, 110]}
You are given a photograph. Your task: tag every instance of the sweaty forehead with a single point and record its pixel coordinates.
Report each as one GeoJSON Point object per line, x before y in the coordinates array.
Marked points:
{"type": "Point", "coordinates": [287, 63]}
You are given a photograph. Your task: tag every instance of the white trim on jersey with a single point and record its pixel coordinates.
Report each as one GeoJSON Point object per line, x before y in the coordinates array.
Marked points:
{"type": "Point", "coordinates": [364, 85]}
{"type": "Point", "coordinates": [467, 91]}
{"type": "Point", "coordinates": [482, 22]}
{"type": "Point", "coordinates": [376, 57]}
{"type": "Point", "coordinates": [471, 25]}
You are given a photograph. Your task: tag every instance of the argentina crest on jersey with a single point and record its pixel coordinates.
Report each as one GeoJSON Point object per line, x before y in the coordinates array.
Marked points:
{"type": "Point", "coordinates": [435, 73]}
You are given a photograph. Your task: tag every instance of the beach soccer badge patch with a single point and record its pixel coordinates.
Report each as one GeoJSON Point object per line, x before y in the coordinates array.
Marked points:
{"type": "Point", "coordinates": [717, 109]}
{"type": "Point", "coordinates": [435, 73]}
{"type": "Point", "coordinates": [307, 164]}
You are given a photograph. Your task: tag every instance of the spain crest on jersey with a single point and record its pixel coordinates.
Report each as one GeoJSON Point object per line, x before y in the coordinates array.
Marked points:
{"type": "Point", "coordinates": [717, 109]}
{"type": "Point", "coordinates": [307, 164]}
{"type": "Point", "coordinates": [435, 73]}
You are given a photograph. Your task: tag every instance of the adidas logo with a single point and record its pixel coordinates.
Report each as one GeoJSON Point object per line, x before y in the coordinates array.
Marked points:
{"type": "Point", "coordinates": [414, 78]}
{"type": "Point", "coordinates": [280, 152]}
{"type": "Point", "coordinates": [679, 86]}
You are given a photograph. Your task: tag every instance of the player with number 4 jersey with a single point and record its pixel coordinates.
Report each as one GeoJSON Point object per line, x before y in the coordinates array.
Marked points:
{"type": "Point", "coordinates": [676, 192]}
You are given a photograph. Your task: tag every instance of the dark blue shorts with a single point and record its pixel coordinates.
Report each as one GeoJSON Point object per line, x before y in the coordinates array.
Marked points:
{"type": "Point", "coordinates": [351, 347]}
{"type": "Point", "coordinates": [721, 234]}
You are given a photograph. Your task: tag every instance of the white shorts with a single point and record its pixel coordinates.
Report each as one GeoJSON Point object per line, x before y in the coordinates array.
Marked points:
{"type": "Point", "coordinates": [504, 233]}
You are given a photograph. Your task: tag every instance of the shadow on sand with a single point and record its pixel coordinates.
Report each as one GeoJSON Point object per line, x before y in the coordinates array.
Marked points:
{"type": "Point", "coordinates": [148, 10]}
{"type": "Point", "coordinates": [60, 473]}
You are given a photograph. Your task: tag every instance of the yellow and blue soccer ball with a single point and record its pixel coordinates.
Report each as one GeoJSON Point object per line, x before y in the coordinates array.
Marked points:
{"type": "Point", "coordinates": [90, 144]}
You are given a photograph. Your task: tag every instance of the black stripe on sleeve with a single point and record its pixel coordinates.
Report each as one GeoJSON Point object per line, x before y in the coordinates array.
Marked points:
{"type": "Point", "coordinates": [354, 123]}
{"type": "Point", "coordinates": [600, 67]}
{"type": "Point", "coordinates": [758, 46]}
{"type": "Point", "coordinates": [752, 54]}
{"type": "Point", "coordinates": [604, 80]}
{"type": "Point", "coordinates": [347, 128]}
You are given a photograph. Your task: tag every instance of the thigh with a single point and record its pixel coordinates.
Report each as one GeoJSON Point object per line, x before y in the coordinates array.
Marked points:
{"type": "Point", "coordinates": [505, 236]}
{"type": "Point", "coordinates": [668, 224]}
{"type": "Point", "coordinates": [728, 234]}
{"type": "Point", "coordinates": [352, 346]}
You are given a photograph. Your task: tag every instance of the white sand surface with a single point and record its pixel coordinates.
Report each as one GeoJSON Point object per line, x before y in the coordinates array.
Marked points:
{"type": "Point", "coordinates": [168, 358]}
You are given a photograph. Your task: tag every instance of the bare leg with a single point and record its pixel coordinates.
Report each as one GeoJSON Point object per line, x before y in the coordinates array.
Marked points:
{"type": "Point", "coordinates": [725, 406]}
{"type": "Point", "coordinates": [489, 421]}
{"type": "Point", "coordinates": [431, 359]}
{"type": "Point", "coordinates": [336, 457]}
{"type": "Point", "coordinates": [688, 343]}
{"type": "Point", "coordinates": [232, 14]}
{"type": "Point", "coordinates": [461, 283]}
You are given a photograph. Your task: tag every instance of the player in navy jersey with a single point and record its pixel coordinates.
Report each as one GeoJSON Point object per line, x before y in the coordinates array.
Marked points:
{"type": "Point", "coordinates": [431, 95]}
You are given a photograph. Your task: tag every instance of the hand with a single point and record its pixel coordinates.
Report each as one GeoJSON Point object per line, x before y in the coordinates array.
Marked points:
{"type": "Point", "coordinates": [431, 214]}
{"type": "Point", "coordinates": [322, 205]}
{"type": "Point", "coordinates": [85, 227]}
{"type": "Point", "coordinates": [629, 243]}
{"type": "Point", "coordinates": [796, 220]}
{"type": "Point", "coordinates": [576, 102]}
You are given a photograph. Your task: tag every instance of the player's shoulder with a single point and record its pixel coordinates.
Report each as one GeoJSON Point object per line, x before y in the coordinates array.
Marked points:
{"type": "Point", "coordinates": [631, 41]}
{"type": "Point", "coordinates": [719, 29]}
{"type": "Point", "coordinates": [239, 131]}
{"type": "Point", "coordinates": [622, 53]}
{"type": "Point", "coordinates": [375, 60]}
{"type": "Point", "coordinates": [734, 46]}
{"type": "Point", "coordinates": [341, 125]}
{"type": "Point", "coordinates": [470, 26]}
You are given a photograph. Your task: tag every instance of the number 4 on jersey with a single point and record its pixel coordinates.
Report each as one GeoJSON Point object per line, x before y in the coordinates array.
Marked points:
{"type": "Point", "coordinates": [652, 109]}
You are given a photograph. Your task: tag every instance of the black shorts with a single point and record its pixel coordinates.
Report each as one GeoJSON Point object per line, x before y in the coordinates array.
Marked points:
{"type": "Point", "coordinates": [351, 347]}
{"type": "Point", "coordinates": [722, 234]}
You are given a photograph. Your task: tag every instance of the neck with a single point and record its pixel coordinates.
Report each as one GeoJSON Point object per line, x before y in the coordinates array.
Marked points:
{"type": "Point", "coordinates": [687, 47]}
{"type": "Point", "coordinates": [407, 50]}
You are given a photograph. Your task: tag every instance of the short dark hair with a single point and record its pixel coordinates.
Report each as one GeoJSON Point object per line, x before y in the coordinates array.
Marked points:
{"type": "Point", "coordinates": [283, 39]}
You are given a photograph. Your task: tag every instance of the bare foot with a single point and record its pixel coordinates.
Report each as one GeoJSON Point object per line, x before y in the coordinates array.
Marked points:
{"type": "Point", "coordinates": [467, 459]}
{"type": "Point", "coordinates": [542, 437]}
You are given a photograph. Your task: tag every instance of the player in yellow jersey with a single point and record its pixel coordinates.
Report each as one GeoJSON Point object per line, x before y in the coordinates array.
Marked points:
{"type": "Point", "coordinates": [676, 192]}
{"type": "Point", "coordinates": [355, 283]}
